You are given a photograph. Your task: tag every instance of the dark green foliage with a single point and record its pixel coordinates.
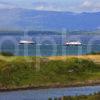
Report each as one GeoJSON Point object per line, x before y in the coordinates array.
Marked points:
{"type": "Point", "coordinates": [89, 97]}
{"type": "Point", "coordinates": [6, 54]}
{"type": "Point", "coordinates": [49, 98]}
{"type": "Point", "coordinates": [94, 53]}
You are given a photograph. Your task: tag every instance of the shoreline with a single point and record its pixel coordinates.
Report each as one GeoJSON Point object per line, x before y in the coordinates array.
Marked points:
{"type": "Point", "coordinates": [53, 86]}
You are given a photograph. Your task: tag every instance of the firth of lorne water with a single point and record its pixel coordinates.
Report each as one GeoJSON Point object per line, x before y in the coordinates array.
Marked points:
{"type": "Point", "coordinates": [49, 45]}
{"type": "Point", "coordinates": [44, 94]}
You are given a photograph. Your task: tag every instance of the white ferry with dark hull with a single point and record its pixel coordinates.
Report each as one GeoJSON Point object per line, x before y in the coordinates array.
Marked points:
{"type": "Point", "coordinates": [77, 43]}
{"type": "Point", "coordinates": [26, 42]}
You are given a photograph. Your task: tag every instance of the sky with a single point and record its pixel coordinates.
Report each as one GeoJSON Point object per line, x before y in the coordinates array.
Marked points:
{"type": "Point", "coordinates": [53, 5]}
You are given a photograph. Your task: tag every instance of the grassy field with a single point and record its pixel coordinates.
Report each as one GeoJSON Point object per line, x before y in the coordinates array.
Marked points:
{"type": "Point", "coordinates": [37, 72]}
{"type": "Point", "coordinates": [94, 58]}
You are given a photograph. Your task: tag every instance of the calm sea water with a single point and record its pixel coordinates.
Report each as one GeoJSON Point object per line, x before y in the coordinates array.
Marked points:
{"type": "Point", "coordinates": [44, 94]}
{"type": "Point", "coordinates": [49, 45]}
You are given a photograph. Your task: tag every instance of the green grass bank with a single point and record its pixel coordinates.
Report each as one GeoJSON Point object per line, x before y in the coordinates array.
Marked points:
{"type": "Point", "coordinates": [38, 72]}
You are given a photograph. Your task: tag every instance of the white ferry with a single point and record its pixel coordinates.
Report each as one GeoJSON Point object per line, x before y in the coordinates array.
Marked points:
{"type": "Point", "coordinates": [74, 43]}
{"type": "Point", "coordinates": [26, 42]}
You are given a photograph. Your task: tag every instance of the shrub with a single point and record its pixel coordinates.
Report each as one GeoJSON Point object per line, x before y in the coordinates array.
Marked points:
{"type": "Point", "coordinates": [7, 54]}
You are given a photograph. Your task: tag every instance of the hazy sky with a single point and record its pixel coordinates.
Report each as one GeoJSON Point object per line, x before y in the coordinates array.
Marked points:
{"type": "Point", "coordinates": [53, 5]}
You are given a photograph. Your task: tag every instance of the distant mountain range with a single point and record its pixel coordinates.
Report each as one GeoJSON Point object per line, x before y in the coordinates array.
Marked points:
{"type": "Point", "coordinates": [14, 19]}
